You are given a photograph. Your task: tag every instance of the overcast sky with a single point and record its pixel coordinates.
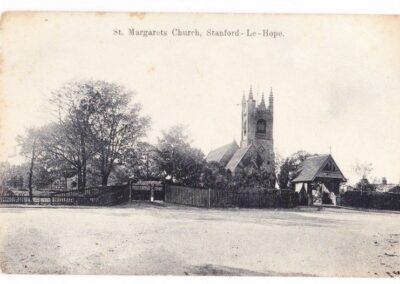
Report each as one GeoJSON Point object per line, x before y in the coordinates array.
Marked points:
{"type": "Point", "coordinates": [336, 79]}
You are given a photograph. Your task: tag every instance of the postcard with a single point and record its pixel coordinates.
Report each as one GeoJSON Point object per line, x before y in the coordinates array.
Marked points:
{"type": "Point", "coordinates": [200, 144]}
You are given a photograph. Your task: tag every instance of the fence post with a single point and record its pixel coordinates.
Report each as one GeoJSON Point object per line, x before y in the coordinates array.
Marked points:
{"type": "Point", "coordinates": [152, 187]}
{"type": "Point", "coordinates": [209, 197]}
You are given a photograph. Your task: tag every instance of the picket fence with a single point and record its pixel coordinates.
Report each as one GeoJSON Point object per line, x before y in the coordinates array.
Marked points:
{"type": "Point", "coordinates": [227, 198]}
{"type": "Point", "coordinates": [93, 196]}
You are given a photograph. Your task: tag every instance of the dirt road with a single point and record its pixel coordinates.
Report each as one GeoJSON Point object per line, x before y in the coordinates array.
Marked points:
{"type": "Point", "coordinates": [155, 240]}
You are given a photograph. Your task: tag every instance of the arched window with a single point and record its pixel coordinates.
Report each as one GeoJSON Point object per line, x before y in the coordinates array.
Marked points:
{"type": "Point", "coordinates": [244, 128]}
{"type": "Point", "coordinates": [261, 126]}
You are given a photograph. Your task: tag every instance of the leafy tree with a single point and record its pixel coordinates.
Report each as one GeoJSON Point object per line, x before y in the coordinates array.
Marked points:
{"type": "Point", "coordinates": [253, 177]}
{"type": "Point", "coordinates": [177, 160]}
{"type": "Point", "coordinates": [116, 127]}
{"type": "Point", "coordinates": [4, 172]}
{"type": "Point", "coordinates": [43, 178]}
{"type": "Point", "coordinates": [215, 176]}
{"type": "Point", "coordinates": [284, 173]}
{"type": "Point", "coordinates": [13, 175]}
{"type": "Point", "coordinates": [289, 168]}
{"type": "Point", "coordinates": [96, 127]}
{"type": "Point", "coordinates": [141, 162]}
{"type": "Point", "coordinates": [364, 185]}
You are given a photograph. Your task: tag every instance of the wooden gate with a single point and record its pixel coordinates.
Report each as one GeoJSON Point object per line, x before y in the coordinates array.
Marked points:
{"type": "Point", "coordinates": [148, 192]}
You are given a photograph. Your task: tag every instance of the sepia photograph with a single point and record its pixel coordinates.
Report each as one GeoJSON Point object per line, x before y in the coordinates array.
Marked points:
{"type": "Point", "coordinates": [200, 144]}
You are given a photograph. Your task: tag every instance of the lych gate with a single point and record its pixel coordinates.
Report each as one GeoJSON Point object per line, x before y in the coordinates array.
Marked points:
{"type": "Point", "coordinates": [319, 179]}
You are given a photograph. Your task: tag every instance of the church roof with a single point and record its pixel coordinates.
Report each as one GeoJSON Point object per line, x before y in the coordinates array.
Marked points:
{"type": "Point", "coordinates": [237, 158]}
{"type": "Point", "coordinates": [223, 154]}
{"type": "Point", "coordinates": [313, 166]}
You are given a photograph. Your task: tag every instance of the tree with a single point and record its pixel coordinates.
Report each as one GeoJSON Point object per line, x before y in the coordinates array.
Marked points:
{"type": "Point", "coordinates": [215, 176]}
{"type": "Point", "coordinates": [70, 136]}
{"type": "Point", "coordinates": [290, 166]}
{"type": "Point", "coordinates": [253, 177]}
{"type": "Point", "coordinates": [4, 172]}
{"type": "Point", "coordinates": [95, 127]}
{"type": "Point", "coordinates": [285, 170]}
{"type": "Point", "coordinates": [116, 127]}
{"type": "Point", "coordinates": [60, 153]}
{"type": "Point", "coordinates": [30, 149]}
{"type": "Point", "coordinates": [141, 162]}
{"type": "Point", "coordinates": [176, 159]}
{"type": "Point", "coordinates": [363, 169]}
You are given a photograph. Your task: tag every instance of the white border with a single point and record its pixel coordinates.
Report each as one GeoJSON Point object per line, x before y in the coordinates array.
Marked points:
{"type": "Point", "coordinates": [388, 7]}
{"type": "Point", "coordinates": [233, 6]}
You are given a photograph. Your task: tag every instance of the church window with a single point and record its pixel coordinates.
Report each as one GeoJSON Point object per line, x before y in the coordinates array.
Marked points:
{"type": "Point", "coordinates": [261, 126]}
{"type": "Point", "coordinates": [244, 128]}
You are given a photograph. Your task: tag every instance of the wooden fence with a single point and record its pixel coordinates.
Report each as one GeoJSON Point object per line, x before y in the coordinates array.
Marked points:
{"type": "Point", "coordinates": [94, 196]}
{"type": "Point", "coordinates": [225, 198]}
{"type": "Point", "coordinates": [370, 200]}
{"type": "Point", "coordinates": [25, 199]}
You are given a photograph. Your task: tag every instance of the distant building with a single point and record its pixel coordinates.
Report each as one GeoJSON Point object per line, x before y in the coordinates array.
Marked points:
{"type": "Point", "coordinates": [318, 175]}
{"type": "Point", "coordinates": [256, 144]}
{"type": "Point", "coordinates": [387, 187]}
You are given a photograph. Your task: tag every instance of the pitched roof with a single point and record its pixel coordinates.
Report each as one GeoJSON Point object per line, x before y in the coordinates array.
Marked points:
{"type": "Point", "coordinates": [237, 158]}
{"type": "Point", "coordinates": [222, 154]}
{"type": "Point", "coordinates": [312, 166]}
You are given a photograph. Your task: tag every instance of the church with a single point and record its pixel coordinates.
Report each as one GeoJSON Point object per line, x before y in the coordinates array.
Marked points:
{"type": "Point", "coordinates": [256, 144]}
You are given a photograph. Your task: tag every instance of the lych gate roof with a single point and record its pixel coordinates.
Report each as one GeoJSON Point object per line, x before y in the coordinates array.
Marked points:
{"type": "Point", "coordinates": [222, 154]}
{"type": "Point", "coordinates": [312, 167]}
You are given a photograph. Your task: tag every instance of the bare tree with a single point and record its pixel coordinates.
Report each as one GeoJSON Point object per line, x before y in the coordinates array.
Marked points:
{"type": "Point", "coordinates": [362, 169]}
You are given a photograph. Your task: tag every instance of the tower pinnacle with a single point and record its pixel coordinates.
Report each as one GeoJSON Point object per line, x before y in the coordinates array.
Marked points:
{"type": "Point", "coordinates": [271, 100]}
{"type": "Point", "coordinates": [262, 103]}
{"type": "Point", "coordinates": [251, 93]}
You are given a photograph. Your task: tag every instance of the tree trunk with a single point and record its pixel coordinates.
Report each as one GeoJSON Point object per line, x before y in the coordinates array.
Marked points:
{"type": "Point", "coordinates": [104, 180]}
{"type": "Point", "coordinates": [83, 164]}
{"type": "Point", "coordinates": [105, 175]}
{"type": "Point", "coordinates": [84, 175]}
{"type": "Point", "coordinates": [31, 176]}
{"type": "Point", "coordinates": [80, 188]}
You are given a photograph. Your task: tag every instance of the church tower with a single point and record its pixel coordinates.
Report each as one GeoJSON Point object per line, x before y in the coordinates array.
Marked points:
{"type": "Point", "coordinates": [257, 127]}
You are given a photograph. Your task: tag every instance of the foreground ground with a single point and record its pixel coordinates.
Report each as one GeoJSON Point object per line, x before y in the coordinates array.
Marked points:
{"type": "Point", "coordinates": [152, 240]}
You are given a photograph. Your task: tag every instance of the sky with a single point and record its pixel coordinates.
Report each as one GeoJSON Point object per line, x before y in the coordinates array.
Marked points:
{"type": "Point", "coordinates": [335, 79]}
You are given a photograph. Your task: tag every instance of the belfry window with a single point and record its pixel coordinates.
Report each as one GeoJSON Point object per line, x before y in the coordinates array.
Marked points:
{"type": "Point", "coordinates": [261, 126]}
{"type": "Point", "coordinates": [244, 128]}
